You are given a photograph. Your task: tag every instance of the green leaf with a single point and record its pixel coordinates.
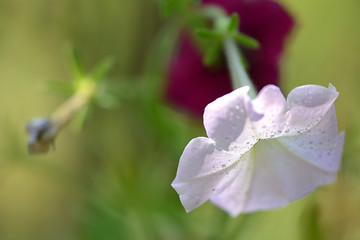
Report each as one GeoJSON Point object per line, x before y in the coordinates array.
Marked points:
{"type": "Point", "coordinates": [234, 22]}
{"type": "Point", "coordinates": [311, 223]}
{"type": "Point", "coordinates": [171, 6]}
{"type": "Point", "coordinates": [197, 1]}
{"type": "Point", "coordinates": [246, 41]}
{"type": "Point", "coordinates": [107, 100]}
{"type": "Point", "coordinates": [212, 53]}
{"type": "Point", "coordinates": [206, 33]}
{"type": "Point", "coordinates": [100, 71]}
{"type": "Point", "coordinates": [82, 117]}
{"type": "Point", "coordinates": [77, 66]}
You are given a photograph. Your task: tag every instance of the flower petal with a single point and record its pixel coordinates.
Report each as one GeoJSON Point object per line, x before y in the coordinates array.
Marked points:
{"type": "Point", "coordinates": [202, 168]}
{"type": "Point", "coordinates": [231, 193]}
{"type": "Point", "coordinates": [268, 112]}
{"type": "Point", "coordinates": [226, 121]}
{"type": "Point", "coordinates": [307, 106]}
{"type": "Point", "coordinates": [280, 177]}
{"type": "Point", "coordinates": [320, 145]}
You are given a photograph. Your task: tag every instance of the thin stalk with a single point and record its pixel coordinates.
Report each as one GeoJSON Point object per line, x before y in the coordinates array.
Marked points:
{"type": "Point", "coordinates": [65, 112]}
{"type": "Point", "coordinates": [43, 130]}
{"type": "Point", "coordinates": [239, 76]}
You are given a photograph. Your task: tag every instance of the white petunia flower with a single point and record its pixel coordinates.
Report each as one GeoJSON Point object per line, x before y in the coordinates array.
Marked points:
{"type": "Point", "coordinates": [262, 153]}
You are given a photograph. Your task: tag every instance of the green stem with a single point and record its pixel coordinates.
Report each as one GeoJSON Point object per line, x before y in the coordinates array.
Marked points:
{"type": "Point", "coordinates": [65, 112]}
{"type": "Point", "coordinates": [239, 76]}
{"type": "Point", "coordinates": [43, 130]}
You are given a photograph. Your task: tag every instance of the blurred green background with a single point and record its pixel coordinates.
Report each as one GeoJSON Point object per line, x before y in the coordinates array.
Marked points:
{"type": "Point", "coordinates": [112, 179]}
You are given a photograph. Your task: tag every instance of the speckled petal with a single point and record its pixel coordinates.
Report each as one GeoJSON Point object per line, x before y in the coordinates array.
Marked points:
{"type": "Point", "coordinates": [307, 105]}
{"type": "Point", "coordinates": [231, 193]}
{"type": "Point", "coordinates": [320, 145]}
{"type": "Point", "coordinates": [268, 112]}
{"type": "Point", "coordinates": [226, 121]}
{"type": "Point", "coordinates": [202, 168]}
{"type": "Point", "coordinates": [280, 177]}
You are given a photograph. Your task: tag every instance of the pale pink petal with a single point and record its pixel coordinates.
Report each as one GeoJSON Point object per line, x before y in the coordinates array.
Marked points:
{"type": "Point", "coordinates": [268, 112]}
{"type": "Point", "coordinates": [272, 116]}
{"type": "Point", "coordinates": [231, 193]}
{"type": "Point", "coordinates": [320, 145]}
{"type": "Point", "coordinates": [280, 177]}
{"type": "Point", "coordinates": [226, 121]}
{"type": "Point", "coordinates": [201, 169]}
{"type": "Point", "coordinates": [307, 105]}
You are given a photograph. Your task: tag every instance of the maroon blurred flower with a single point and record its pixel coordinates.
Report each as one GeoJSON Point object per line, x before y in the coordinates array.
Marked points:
{"type": "Point", "coordinates": [193, 85]}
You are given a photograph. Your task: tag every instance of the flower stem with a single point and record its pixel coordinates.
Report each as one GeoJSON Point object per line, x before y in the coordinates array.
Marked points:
{"type": "Point", "coordinates": [239, 76]}
{"type": "Point", "coordinates": [65, 112]}
{"type": "Point", "coordinates": [43, 130]}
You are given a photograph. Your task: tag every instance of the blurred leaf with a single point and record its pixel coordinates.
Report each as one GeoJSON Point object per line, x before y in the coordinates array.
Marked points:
{"type": "Point", "coordinates": [77, 66]}
{"type": "Point", "coordinates": [310, 223]}
{"type": "Point", "coordinates": [246, 41]}
{"type": "Point", "coordinates": [81, 117]}
{"type": "Point", "coordinates": [102, 69]}
{"type": "Point", "coordinates": [159, 57]}
{"type": "Point", "coordinates": [234, 22]}
{"type": "Point", "coordinates": [107, 100]}
{"type": "Point", "coordinates": [212, 53]}
{"type": "Point", "coordinates": [206, 33]}
{"type": "Point", "coordinates": [172, 6]}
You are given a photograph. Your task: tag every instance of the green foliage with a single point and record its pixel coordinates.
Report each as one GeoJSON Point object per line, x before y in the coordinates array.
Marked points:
{"type": "Point", "coordinates": [77, 66]}
{"type": "Point", "coordinates": [234, 23]}
{"type": "Point", "coordinates": [171, 7]}
{"type": "Point", "coordinates": [82, 117]}
{"type": "Point", "coordinates": [101, 70]}
{"type": "Point", "coordinates": [246, 40]}
{"type": "Point", "coordinates": [104, 96]}
{"type": "Point", "coordinates": [212, 39]}
{"type": "Point", "coordinates": [212, 53]}
{"type": "Point", "coordinates": [310, 223]}
{"type": "Point", "coordinates": [207, 33]}
{"type": "Point", "coordinates": [106, 99]}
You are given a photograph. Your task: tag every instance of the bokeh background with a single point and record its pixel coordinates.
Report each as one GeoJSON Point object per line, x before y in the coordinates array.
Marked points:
{"type": "Point", "coordinates": [111, 180]}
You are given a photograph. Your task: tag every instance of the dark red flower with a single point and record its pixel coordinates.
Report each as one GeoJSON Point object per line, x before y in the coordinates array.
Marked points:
{"type": "Point", "coordinates": [193, 85]}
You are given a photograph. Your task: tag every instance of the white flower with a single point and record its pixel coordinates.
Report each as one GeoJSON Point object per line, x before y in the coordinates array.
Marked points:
{"type": "Point", "coordinates": [262, 153]}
